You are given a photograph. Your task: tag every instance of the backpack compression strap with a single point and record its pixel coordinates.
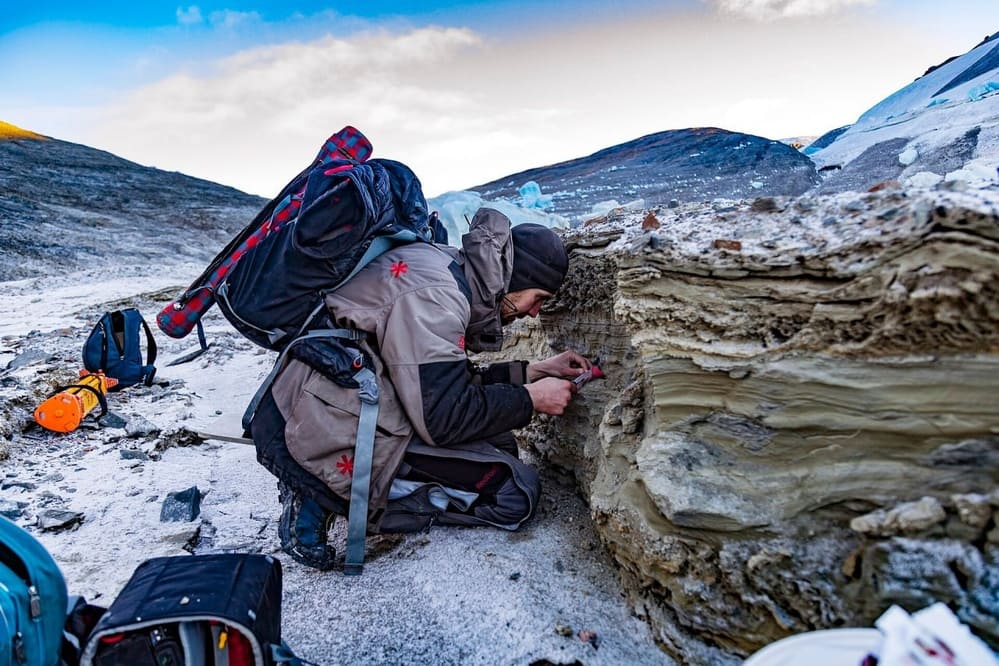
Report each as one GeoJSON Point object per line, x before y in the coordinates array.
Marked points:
{"type": "Point", "coordinates": [367, 423]}
{"type": "Point", "coordinates": [360, 480]}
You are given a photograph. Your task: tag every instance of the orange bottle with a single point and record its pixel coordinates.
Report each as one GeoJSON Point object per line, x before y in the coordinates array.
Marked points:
{"type": "Point", "coordinates": [64, 411]}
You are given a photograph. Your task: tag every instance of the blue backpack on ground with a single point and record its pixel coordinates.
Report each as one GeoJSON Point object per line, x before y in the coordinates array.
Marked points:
{"type": "Point", "coordinates": [114, 347]}
{"type": "Point", "coordinates": [33, 600]}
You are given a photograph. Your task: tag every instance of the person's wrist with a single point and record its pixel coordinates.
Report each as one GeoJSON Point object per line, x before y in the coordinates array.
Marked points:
{"type": "Point", "coordinates": [533, 374]}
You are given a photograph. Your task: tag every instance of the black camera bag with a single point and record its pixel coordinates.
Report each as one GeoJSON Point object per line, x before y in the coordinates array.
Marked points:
{"type": "Point", "coordinates": [183, 611]}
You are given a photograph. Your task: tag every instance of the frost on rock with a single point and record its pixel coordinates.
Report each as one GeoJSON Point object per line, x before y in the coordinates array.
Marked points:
{"type": "Point", "coordinates": [923, 179]}
{"type": "Point", "coordinates": [531, 197]}
{"type": "Point", "coordinates": [908, 156]}
{"type": "Point", "coordinates": [977, 173]}
{"type": "Point", "coordinates": [602, 208]}
{"type": "Point", "coordinates": [978, 92]}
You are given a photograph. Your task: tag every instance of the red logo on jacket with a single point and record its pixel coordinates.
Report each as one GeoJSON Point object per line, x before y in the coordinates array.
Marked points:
{"type": "Point", "coordinates": [399, 269]}
{"type": "Point", "coordinates": [461, 343]}
{"type": "Point", "coordinates": [346, 465]}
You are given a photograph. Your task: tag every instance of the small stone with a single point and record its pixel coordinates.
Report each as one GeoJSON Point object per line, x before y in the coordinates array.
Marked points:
{"type": "Point", "coordinates": [764, 205]}
{"type": "Point", "coordinates": [515, 575]}
{"type": "Point", "coordinates": [673, 203]}
{"type": "Point", "coordinates": [181, 506]}
{"type": "Point", "coordinates": [956, 529]}
{"type": "Point", "coordinates": [111, 420]}
{"type": "Point", "coordinates": [133, 454]}
{"type": "Point", "coordinates": [25, 485]}
{"type": "Point", "coordinates": [650, 222]}
{"type": "Point", "coordinates": [140, 427]}
{"type": "Point", "coordinates": [727, 244]}
{"type": "Point", "coordinates": [29, 357]}
{"type": "Point", "coordinates": [563, 629]}
{"type": "Point", "coordinates": [885, 185]}
{"type": "Point", "coordinates": [54, 520]}
{"type": "Point", "coordinates": [973, 509]}
{"type": "Point", "coordinates": [588, 636]}
{"type": "Point", "coordinates": [10, 509]}
{"type": "Point", "coordinates": [906, 518]}
{"type": "Point", "coordinates": [559, 567]}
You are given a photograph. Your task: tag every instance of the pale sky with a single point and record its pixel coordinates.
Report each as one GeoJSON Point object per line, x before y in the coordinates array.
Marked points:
{"type": "Point", "coordinates": [243, 93]}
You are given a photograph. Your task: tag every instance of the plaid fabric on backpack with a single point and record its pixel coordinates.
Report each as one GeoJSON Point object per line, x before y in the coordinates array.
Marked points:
{"type": "Point", "coordinates": [181, 317]}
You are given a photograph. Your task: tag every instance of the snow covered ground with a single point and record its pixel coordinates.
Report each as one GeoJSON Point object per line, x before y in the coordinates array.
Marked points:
{"type": "Point", "coordinates": [933, 113]}
{"type": "Point", "coordinates": [545, 594]}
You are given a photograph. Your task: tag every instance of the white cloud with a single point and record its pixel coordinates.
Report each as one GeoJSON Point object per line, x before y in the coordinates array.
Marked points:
{"type": "Point", "coordinates": [462, 110]}
{"type": "Point", "coordinates": [189, 16]}
{"type": "Point", "coordinates": [257, 116]}
{"type": "Point", "coordinates": [777, 9]}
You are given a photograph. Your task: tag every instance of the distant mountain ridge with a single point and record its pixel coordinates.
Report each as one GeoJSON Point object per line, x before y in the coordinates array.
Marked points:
{"type": "Point", "coordinates": [62, 204]}
{"type": "Point", "coordinates": [944, 124]}
{"type": "Point", "coordinates": [685, 164]}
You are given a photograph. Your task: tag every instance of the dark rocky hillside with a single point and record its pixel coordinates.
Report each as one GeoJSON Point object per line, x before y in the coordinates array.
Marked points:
{"type": "Point", "coordinates": [687, 165]}
{"type": "Point", "coordinates": [61, 202]}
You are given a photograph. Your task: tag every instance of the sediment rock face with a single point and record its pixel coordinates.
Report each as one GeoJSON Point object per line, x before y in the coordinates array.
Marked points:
{"type": "Point", "coordinates": [800, 424]}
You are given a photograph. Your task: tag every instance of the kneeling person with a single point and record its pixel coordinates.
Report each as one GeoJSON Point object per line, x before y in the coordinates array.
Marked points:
{"type": "Point", "coordinates": [443, 438]}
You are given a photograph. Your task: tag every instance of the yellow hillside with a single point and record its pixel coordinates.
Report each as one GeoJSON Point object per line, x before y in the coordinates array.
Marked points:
{"type": "Point", "coordinates": [8, 131]}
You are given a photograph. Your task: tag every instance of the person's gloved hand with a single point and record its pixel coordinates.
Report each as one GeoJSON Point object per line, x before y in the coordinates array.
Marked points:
{"type": "Point", "coordinates": [567, 365]}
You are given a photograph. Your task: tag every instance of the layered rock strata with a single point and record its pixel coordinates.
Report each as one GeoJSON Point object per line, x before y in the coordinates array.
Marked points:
{"type": "Point", "coordinates": [800, 424]}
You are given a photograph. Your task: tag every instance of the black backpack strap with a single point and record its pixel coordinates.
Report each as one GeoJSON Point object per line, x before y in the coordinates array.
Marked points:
{"type": "Point", "coordinates": [282, 654]}
{"type": "Point", "coordinates": [105, 324]}
{"type": "Point", "coordinates": [190, 356]}
{"type": "Point", "coordinates": [102, 401]}
{"type": "Point", "coordinates": [149, 369]}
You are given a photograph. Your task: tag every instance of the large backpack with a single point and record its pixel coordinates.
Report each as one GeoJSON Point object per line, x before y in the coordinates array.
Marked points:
{"type": "Point", "coordinates": [114, 347]}
{"type": "Point", "coordinates": [326, 224]}
{"type": "Point", "coordinates": [33, 600]}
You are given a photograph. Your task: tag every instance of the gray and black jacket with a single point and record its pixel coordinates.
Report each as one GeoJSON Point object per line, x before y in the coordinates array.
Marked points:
{"type": "Point", "coordinates": [422, 307]}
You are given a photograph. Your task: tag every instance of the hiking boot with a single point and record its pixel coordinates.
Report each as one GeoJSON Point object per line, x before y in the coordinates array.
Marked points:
{"type": "Point", "coordinates": [303, 529]}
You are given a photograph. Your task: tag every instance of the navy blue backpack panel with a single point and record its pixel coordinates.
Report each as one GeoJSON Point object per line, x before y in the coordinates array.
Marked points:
{"type": "Point", "coordinates": [32, 600]}
{"type": "Point", "coordinates": [114, 347]}
{"type": "Point", "coordinates": [207, 609]}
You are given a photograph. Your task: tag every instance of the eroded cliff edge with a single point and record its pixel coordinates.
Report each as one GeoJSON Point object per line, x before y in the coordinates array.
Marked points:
{"type": "Point", "coordinates": [800, 424]}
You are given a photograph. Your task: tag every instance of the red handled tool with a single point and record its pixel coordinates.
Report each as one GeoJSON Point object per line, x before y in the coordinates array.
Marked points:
{"type": "Point", "coordinates": [593, 373]}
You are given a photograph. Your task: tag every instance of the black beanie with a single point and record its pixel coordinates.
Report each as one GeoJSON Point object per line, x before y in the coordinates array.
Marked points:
{"type": "Point", "coordinates": [539, 258]}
